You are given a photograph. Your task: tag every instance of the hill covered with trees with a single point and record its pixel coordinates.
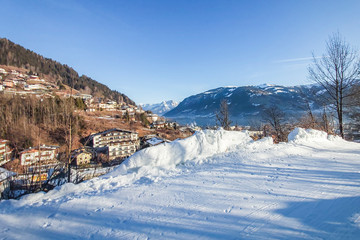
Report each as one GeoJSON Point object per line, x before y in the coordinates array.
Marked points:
{"type": "Point", "coordinates": [12, 54]}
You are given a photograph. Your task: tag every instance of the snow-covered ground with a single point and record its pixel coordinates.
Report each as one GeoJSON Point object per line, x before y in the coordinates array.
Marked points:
{"type": "Point", "coordinates": [213, 185]}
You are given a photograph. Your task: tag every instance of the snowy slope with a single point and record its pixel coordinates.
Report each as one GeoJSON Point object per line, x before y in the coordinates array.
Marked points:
{"type": "Point", "coordinates": [160, 108]}
{"type": "Point", "coordinates": [213, 185]}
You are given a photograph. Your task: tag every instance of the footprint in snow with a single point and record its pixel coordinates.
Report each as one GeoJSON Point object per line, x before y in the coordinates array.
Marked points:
{"type": "Point", "coordinates": [46, 225]}
{"type": "Point", "coordinates": [229, 209]}
{"type": "Point", "coordinates": [98, 209]}
{"type": "Point", "coordinates": [52, 215]}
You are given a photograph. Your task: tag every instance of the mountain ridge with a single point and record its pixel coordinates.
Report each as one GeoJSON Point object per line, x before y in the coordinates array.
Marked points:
{"type": "Point", "coordinates": [160, 108]}
{"type": "Point", "coordinates": [246, 102]}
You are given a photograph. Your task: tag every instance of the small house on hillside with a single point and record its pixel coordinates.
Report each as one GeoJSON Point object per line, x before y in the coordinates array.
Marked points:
{"type": "Point", "coordinates": [8, 83]}
{"type": "Point", "coordinates": [14, 72]}
{"type": "Point", "coordinates": [2, 71]}
{"type": "Point", "coordinates": [5, 152]}
{"type": "Point", "coordinates": [156, 141]}
{"type": "Point", "coordinates": [34, 77]}
{"type": "Point", "coordinates": [174, 125]}
{"type": "Point", "coordinates": [158, 124]}
{"type": "Point", "coordinates": [19, 82]}
{"type": "Point", "coordinates": [82, 156]}
{"type": "Point", "coordinates": [31, 87]}
{"type": "Point", "coordinates": [152, 117]}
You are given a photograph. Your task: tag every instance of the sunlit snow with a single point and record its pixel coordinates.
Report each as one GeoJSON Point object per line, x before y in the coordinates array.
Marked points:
{"type": "Point", "coordinates": [213, 185]}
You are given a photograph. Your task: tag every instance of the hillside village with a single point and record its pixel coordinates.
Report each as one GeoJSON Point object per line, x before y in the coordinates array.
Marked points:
{"type": "Point", "coordinates": [122, 130]}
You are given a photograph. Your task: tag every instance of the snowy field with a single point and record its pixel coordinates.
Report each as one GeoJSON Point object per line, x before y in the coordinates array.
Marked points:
{"type": "Point", "coordinates": [213, 185]}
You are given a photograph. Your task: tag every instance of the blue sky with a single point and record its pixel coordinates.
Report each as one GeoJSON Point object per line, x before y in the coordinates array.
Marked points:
{"type": "Point", "coordinates": [162, 50]}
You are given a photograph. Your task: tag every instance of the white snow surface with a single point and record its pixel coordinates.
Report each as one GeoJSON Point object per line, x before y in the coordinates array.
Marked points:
{"type": "Point", "coordinates": [300, 135]}
{"type": "Point", "coordinates": [213, 185]}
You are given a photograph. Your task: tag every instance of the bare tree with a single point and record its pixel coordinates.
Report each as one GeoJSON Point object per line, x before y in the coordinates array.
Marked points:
{"type": "Point", "coordinates": [275, 117]}
{"type": "Point", "coordinates": [222, 116]}
{"type": "Point", "coordinates": [337, 72]}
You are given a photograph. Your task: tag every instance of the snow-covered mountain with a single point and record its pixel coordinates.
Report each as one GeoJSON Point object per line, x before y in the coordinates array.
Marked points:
{"type": "Point", "coordinates": [212, 185]}
{"type": "Point", "coordinates": [246, 102]}
{"type": "Point", "coordinates": [160, 108]}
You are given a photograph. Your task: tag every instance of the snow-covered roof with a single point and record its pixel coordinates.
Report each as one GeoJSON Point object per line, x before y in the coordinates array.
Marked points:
{"type": "Point", "coordinates": [155, 141]}
{"type": "Point", "coordinates": [3, 141]}
{"type": "Point", "coordinates": [111, 130]}
{"type": "Point", "coordinates": [42, 148]}
{"type": "Point", "coordinates": [4, 174]}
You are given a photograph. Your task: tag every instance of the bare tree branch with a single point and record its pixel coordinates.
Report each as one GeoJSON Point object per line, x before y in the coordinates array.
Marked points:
{"type": "Point", "coordinates": [337, 72]}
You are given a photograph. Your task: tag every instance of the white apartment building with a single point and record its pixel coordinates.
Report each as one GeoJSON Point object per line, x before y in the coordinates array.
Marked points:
{"type": "Point", "coordinates": [31, 155]}
{"type": "Point", "coordinates": [119, 143]}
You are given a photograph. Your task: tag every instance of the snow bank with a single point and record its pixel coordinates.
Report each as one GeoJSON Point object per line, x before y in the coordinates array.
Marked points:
{"type": "Point", "coordinates": [300, 135]}
{"type": "Point", "coordinates": [195, 148]}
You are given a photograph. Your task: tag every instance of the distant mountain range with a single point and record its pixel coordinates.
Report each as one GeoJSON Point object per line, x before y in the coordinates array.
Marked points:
{"type": "Point", "coordinates": [160, 108]}
{"type": "Point", "coordinates": [246, 103]}
{"type": "Point", "coordinates": [12, 54]}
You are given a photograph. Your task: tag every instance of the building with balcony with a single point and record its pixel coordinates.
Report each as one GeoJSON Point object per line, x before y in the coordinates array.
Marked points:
{"type": "Point", "coordinates": [117, 142]}
{"type": "Point", "coordinates": [45, 154]}
{"type": "Point", "coordinates": [5, 152]}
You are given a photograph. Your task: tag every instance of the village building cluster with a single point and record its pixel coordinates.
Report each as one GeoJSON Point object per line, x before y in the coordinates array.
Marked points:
{"type": "Point", "coordinates": [15, 82]}
{"type": "Point", "coordinates": [21, 83]}
{"type": "Point", "coordinates": [38, 163]}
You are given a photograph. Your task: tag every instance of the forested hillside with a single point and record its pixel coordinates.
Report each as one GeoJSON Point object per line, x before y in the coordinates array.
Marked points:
{"type": "Point", "coordinates": [12, 54]}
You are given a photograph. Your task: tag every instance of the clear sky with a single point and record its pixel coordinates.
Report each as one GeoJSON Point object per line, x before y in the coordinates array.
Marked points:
{"type": "Point", "coordinates": [168, 50]}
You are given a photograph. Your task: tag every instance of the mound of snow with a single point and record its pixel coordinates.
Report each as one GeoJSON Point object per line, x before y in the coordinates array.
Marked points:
{"type": "Point", "coordinates": [152, 163]}
{"type": "Point", "coordinates": [195, 148]}
{"type": "Point", "coordinates": [300, 135]}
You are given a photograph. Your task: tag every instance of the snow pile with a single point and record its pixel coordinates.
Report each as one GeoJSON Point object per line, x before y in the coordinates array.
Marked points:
{"type": "Point", "coordinates": [195, 148]}
{"type": "Point", "coordinates": [300, 135]}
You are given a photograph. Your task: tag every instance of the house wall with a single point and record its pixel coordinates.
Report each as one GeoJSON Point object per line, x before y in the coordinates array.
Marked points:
{"type": "Point", "coordinates": [83, 158]}
{"type": "Point", "coordinates": [103, 140]}
{"type": "Point", "coordinates": [32, 156]}
{"type": "Point", "coordinates": [121, 151]}
{"type": "Point", "coordinates": [4, 152]}
{"type": "Point", "coordinates": [119, 143]}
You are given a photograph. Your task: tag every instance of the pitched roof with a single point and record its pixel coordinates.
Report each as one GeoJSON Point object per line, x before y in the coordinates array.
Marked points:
{"type": "Point", "coordinates": [110, 130]}
{"type": "Point", "coordinates": [2, 141]}
{"type": "Point", "coordinates": [36, 149]}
